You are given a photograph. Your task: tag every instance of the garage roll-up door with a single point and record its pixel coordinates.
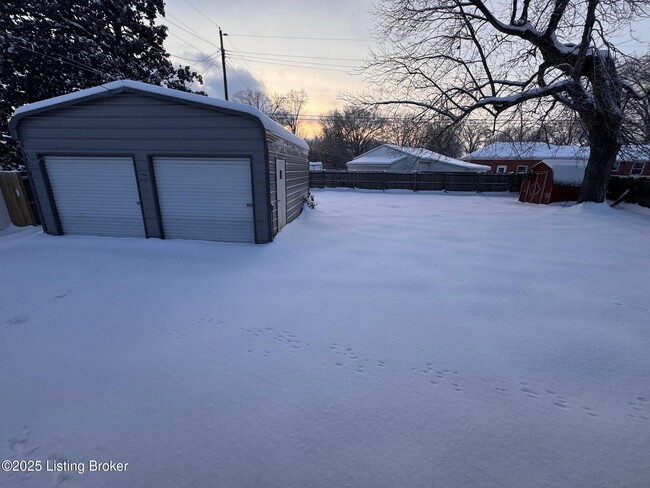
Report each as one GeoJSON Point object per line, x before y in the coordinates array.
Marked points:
{"type": "Point", "coordinates": [207, 199]}
{"type": "Point", "coordinates": [96, 196]}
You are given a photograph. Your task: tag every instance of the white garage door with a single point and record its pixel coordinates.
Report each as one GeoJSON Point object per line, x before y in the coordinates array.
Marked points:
{"type": "Point", "coordinates": [96, 196]}
{"type": "Point", "coordinates": [207, 199]}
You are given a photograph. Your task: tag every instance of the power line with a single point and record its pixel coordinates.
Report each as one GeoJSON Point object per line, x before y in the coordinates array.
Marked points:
{"type": "Point", "coordinates": [185, 41]}
{"type": "Point", "coordinates": [190, 32]}
{"type": "Point", "coordinates": [245, 62]}
{"type": "Point", "coordinates": [296, 56]}
{"type": "Point", "coordinates": [221, 49]}
{"type": "Point", "coordinates": [201, 12]}
{"type": "Point", "coordinates": [196, 61]}
{"type": "Point", "coordinates": [256, 58]}
{"type": "Point", "coordinates": [291, 65]}
{"type": "Point", "coordinates": [202, 74]}
{"type": "Point", "coordinates": [238, 75]}
{"type": "Point", "coordinates": [188, 28]}
{"type": "Point", "coordinates": [63, 59]}
{"type": "Point", "coordinates": [303, 38]}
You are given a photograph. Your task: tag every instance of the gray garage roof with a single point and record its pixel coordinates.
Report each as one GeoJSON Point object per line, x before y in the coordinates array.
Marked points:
{"type": "Point", "coordinates": [119, 86]}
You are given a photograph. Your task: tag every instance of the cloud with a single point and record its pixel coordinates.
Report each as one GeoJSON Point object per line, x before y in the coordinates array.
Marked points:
{"type": "Point", "coordinates": [238, 79]}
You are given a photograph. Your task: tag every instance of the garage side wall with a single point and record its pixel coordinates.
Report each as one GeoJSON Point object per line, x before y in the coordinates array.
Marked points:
{"type": "Point", "coordinates": [143, 127]}
{"type": "Point", "coordinates": [297, 177]}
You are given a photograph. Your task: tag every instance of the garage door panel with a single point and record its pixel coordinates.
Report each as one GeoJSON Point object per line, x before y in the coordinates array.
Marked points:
{"type": "Point", "coordinates": [206, 199]}
{"type": "Point", "coordinates": [96, 196]}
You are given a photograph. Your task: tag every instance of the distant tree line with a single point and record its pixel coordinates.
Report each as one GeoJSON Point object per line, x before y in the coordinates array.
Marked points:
{"type": "Point", "coordinates": [359, 127]}
{"type": "Point", "coordinates": [284, 108]}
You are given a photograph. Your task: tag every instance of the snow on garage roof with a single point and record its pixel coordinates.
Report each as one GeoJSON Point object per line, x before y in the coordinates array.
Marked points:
{"type": "Point", "coordinates": [400, 152]}
{"type": "Point", "coordinates": [441, 158]}
{"type": "Point", "coordinates": [526, 150]}
{"type": "Point", "coordinates": [567, 171]}
{"type": "Point", "coordinates": [137, 86]}
{"type": "Point", "coordinates": [541, 151]}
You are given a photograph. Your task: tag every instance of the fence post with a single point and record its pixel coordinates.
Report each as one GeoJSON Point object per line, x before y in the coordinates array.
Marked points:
{"type": "Point", "coordinates": [478, 183]}
{"type": "Point", "coordinates": [385, 180]}
{"type": "Point", "coordinates": [445, 187]}
{"type": "Point", "coordinates": [354, 179]}
{"type": "Point", "coordinates": [415, 181]}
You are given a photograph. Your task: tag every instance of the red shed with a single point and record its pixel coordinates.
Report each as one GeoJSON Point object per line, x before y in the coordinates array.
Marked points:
{"type": "Point", "coordinates": [554, 180]}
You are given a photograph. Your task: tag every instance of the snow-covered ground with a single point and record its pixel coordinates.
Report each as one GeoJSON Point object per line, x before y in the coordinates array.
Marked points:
{"type": "Point", "coordinates": [383, 340]}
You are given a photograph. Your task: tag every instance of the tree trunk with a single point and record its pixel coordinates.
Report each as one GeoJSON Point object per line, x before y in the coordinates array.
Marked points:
{"type": "Point", "coordinates": [604, 121]}
{"type": "Point", "coordinates": [603, 149]}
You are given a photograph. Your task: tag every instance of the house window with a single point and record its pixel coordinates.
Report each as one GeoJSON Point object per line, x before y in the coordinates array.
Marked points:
{"type": "Point", "coordinates": [502, 169]}
{"type": "Point", "coordinates": [637, 169]}
{"type": "Point", "coordinates": [522, 168]}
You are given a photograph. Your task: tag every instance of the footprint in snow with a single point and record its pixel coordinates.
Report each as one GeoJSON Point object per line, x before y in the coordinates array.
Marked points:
{"type": "Point", "coordinates": [17, 320]}
{"type": "Point", "coordinates": [640, 405]}
{"type": "Point", "coordinates": [440, 376]}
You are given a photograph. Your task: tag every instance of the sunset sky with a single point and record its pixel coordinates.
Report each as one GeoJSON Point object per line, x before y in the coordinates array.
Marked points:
{"type": "Point", "coordinates": [323, 67]}
{"type": "Point", "coordinates": [283, 45]}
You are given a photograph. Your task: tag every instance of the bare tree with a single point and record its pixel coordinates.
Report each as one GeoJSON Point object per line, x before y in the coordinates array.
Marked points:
{"type": "Point", "coordinates": [457, 57]}
{"type": "Point", "coordinates": [347, 133]}
{"type": "Point", "coordinates": [284, 108]}
{"type": "Point", "coordinates": [473, 134]}
{"type": "Point", "coordinates": [254, 98]}
{"type": "Point", "coordinates": [434, 134]}
{"type": "Point", "coordinates": [637, 110]}
{"type": "Point", "coordinates": [291, 105]}
{"type": "Point", "coordinates": [272, 106]}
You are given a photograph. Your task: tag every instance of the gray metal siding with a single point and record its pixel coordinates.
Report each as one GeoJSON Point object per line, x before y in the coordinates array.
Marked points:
{"type": "Point", "coordinates": [143, 127]}
{"type": "Point", "coordinates": [297, 177]}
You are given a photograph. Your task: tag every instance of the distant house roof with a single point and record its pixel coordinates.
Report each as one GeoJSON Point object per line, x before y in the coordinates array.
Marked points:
{"type": "Point", "coordinates": [567, 171]}
{"type": "Point", "coordinates": [315, 165]}
{"type": "Point", "coordinates": [538, 151]}
{"type": "Point", "coordinates": [637, 153]}
{"type": "Point", "coordinates": [396, 153]}
{"type": "Point", "coordinates": [535, 151]}
{"type": "Point", "coordinates": [119, 86]}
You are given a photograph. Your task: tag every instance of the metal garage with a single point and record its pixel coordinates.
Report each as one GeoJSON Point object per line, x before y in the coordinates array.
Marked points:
{"type": "Point", "coordinates": [128, 159]}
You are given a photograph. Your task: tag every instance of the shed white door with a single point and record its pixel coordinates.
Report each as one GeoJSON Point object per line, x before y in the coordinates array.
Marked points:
{"type": "Point", "coordinates": [281, 182]}
{"type": "Point", "coordinates": [96, 196]}
{"type": "Point", "coordinates": [207, 199]}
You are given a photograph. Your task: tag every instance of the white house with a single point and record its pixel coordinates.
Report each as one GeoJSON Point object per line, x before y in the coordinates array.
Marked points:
{"type": "Point", "coordinates": [315, 166]}
{"type": "Point", "coordinates": [388, 157]}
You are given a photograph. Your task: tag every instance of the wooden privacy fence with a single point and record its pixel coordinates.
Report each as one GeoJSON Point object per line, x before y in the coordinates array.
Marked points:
{"type": "Point", "coordinates": [18, 196]}
{"type": "Point", "coordinates": [381, 180]}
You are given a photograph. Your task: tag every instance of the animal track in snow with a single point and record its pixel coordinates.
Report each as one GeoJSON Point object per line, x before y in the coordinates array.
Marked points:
{"type": "Point", "coordinates": [17, 320]}
{"type": "Point", "coordinates": [439, 376]}
{"type": "Point", "coordinates": [360, 363]}
{"type": "Point", "coordinates": [551, 395]}
{"type": "Point", "coordinates": [288, 339]}
{"type": "Point", "coordinates": [640, 405]}
{"type": "Point", "coordinates": [76, 284]}
{"type": "Point", "coordinates": [284, 337]}
{"type": "Point", "coordinates": [19, 444]}
{"type": "Point", "coordinates": [21, 447]}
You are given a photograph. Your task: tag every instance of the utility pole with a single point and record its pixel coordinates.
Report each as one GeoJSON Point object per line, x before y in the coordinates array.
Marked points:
{"type": "Point", "coordinates": [223, 64]}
